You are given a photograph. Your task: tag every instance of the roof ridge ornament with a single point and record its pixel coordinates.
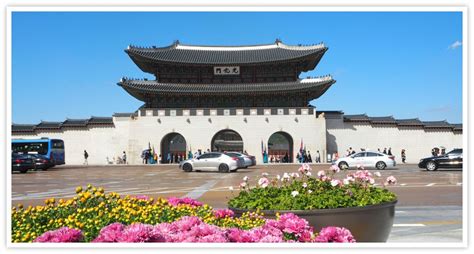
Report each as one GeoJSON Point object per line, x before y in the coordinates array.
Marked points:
{"type": "Point", "coordinates": [175, 43]}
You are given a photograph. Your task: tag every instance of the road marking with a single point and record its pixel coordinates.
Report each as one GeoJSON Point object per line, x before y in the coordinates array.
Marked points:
{"type": "Point", "coordinates": [409, 225]}
{"type": "Point", "coordinates": [400, 212]}
{"type": "Point", "coordinates": [199, 191]}
{"type": "Point", "coordinates": [403, 184]}
{"type": "Point", "coordinates": [430, 184]}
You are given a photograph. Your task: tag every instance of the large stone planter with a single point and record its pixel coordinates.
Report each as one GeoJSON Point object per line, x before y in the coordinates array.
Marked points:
{"type": "Point", "coordinates": [367, 224]}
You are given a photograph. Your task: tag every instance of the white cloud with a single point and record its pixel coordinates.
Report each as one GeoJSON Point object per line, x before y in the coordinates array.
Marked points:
{"type": "Point", "coordinates": [455, 45]}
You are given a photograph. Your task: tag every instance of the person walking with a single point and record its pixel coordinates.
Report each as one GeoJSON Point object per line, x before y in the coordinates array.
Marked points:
{"type": "Point", "coordinates": [318, 157]}
{"type": "Point", "coordinates": [86, 155]}
{"type": "Point", "coordinates": [124, 157]}
{"type": "Point", "coordinates": [168, 158]}
{"type": "Point", "coordinates": [404, 156]}
{"type": "Point", "coordinates": [147, 156]}
{"type": "Point", "coordinates": [385, 151]}
{"type": "Point", "coordinates": [310, 160]}
{"type": "Point", "coordinates": [389, 151]}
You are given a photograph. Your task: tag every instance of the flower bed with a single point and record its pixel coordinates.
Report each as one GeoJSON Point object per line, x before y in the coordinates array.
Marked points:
{"type": "Point", "coordinates": [301, 191]}
{"type": "Point", "coordinates": [93, 216]}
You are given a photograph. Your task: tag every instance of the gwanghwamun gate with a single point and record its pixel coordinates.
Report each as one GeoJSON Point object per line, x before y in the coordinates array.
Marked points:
{"type": "Point", "coordinates": [236, 98]}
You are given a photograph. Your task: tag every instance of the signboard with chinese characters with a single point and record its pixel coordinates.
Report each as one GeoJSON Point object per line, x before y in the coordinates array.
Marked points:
{"type": "Point", "coordinates": [227, 70]}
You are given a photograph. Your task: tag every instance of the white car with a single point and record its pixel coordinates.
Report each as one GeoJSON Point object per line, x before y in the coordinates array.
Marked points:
{"type": "Point", "coordinates": [212, 161]}
{"type": "Point", "coordinates": [367, 159]}
{"type": "Point", "coordinates": [249, 160]}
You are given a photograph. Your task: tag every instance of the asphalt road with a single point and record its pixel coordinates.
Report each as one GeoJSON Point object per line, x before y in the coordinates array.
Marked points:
{"type": "Point", "coordinates": [429, 207]}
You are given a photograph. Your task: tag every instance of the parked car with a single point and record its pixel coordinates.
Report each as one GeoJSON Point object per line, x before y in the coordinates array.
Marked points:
{"type": "Point", "coordinates": [249, 160]}
{"type": "Point", "coordinates": [22, 163]}
{"type": "Point", "coordinates": [453, 159]}
{"type": "Point", "coordinates": [367, 159]}
{"type": "Point", "coordinates": [213, 161]}
{"type": "Point", "coordinates": [41, 162]}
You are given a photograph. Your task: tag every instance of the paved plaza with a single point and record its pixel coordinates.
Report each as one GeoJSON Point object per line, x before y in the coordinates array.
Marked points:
{"type": "Point", "coordinates": [429, 207]}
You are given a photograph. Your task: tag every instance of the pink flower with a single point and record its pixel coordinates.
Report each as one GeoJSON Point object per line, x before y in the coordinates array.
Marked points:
{"type": "Point", "coordinates": [294, 175]}
{"type": "Point", "coordinates": [110, 233]}
{"type": "Point", "coordinates": [294, 193]}
{"type": "Point", "coordinates": [246, 179]}
{"type": "Point", "coordinates": [285, 177]}
{"type": "Point", "coordinates": [335, 169]}
{"type": "Point", "coordinates": [174, 201]}
{"type": "Point", "coordinates": [61, 235]}
{"type": "Point", "coordinates": [243, 185]}
{"type": "Point", "coordinates": [335, 235]}
{"type": "Point", "coordinates": [305, 185]}
{"type": "Point", "coordinates": [304, 169]}
{"type": "Point", "coordinates": [140, 233]}
{"type": "Point", "coordinates": [391, 180]}
{"type": "Point", "coordinates": [263, 182]}
{"type": "Point", "coordinates": [222, 213]}
{"type": "Point", "coordinates": [292, 224]}
{"type": "Point", "coordinates": [335, 183]}
{"type": "Point", "coordinates": [321, 174]}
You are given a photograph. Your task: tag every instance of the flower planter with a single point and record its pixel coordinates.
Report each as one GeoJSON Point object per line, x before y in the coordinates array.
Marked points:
{"type": "Point", "coordinates": [367, 224]}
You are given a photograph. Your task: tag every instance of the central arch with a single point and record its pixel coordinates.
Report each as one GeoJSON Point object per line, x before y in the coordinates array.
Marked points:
{"type": "Point", "coordinates": [227, 140]}
{"type": "Point", "coordinates": [173, 144]}
{"type": "Point", "coordinates": [280, 146]}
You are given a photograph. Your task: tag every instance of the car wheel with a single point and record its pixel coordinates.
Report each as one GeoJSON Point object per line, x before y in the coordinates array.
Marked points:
{"type": "Point", "coordinates": [343, 165]}
{"type": "Point", "coordinates": [187, 167]}
{"type": "Point", "coordinates": [380, 165]}
{"type": "Point", "coordinates": [223, 168]}
{"type": "Point", "coordinates": [246, 166]}
{"type": "Point", "coordinates": [23, 171]}
{"type": "Point", "coordinates": [431, 166]}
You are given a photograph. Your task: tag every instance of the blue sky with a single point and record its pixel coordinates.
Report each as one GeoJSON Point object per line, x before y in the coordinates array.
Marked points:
{"type": "Point", "coordinates": [404, 64]}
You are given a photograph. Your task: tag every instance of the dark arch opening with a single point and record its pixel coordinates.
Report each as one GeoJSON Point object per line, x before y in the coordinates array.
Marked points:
{"type": "Point", "coordinates": [173, 148]}
{"type": "Point", "coordinates": [227, 140]}
{"type": "Point", "coordinates": [280, 147]}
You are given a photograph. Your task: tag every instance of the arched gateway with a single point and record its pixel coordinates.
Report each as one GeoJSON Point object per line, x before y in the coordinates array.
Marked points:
{"type": "Point", "coordinates": [227, 140]}
{"type": "Point", "coordinates": [173, 144]}
{"type": "Point", "coordinates": [280, 146]}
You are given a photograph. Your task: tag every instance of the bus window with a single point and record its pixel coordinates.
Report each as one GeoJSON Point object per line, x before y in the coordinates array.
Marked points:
{"type": "Point", "coordinates": [58, 144]}
{"type": "Point", "coordinates": [40, 148]}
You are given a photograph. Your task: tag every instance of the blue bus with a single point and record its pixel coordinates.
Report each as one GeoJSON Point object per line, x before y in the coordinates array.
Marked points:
{"type": "Point", "coordinates": [53, 149]}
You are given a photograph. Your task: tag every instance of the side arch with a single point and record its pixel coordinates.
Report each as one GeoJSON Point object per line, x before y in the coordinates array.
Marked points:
{"type": "Point", "coordinates": [280, 147]}
{"type": "Point", "coordinates": [174, 145]}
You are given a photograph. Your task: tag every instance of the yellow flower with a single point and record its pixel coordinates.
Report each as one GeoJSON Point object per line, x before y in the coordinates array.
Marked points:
{"type": "Point", "coordinates": [78, 189]}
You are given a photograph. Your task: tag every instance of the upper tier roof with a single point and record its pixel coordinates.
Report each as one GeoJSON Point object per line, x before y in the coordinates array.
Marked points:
{"type": "Point", "coordinates": [213, 55]}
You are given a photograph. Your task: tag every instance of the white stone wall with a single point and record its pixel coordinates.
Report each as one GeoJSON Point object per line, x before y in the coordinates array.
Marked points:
{"type": "Point", "coordinates": [134, 135]}
{"type": "Point", "coordinates": [416, 141]}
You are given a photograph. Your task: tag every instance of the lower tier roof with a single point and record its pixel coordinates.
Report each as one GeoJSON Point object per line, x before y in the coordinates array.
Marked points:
{"type": "Point", "coordinates": [143, 89]}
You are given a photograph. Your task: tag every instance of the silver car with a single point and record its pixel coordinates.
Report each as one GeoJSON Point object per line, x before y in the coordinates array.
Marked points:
{"type": "Point", "coordinates": [249, 160]}
{"type": "Point", "coordinates": [212, 161]}
{"type": "Point", "coordinates": [367, 159]}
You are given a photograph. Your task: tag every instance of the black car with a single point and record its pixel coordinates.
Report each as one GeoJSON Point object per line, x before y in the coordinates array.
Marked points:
{"type": "Point", "coordinates": [452, 159]}
{"type": "Point", "coordinates": [22, 163]}
{"type": "Point", "coordinates": [41, 161]}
